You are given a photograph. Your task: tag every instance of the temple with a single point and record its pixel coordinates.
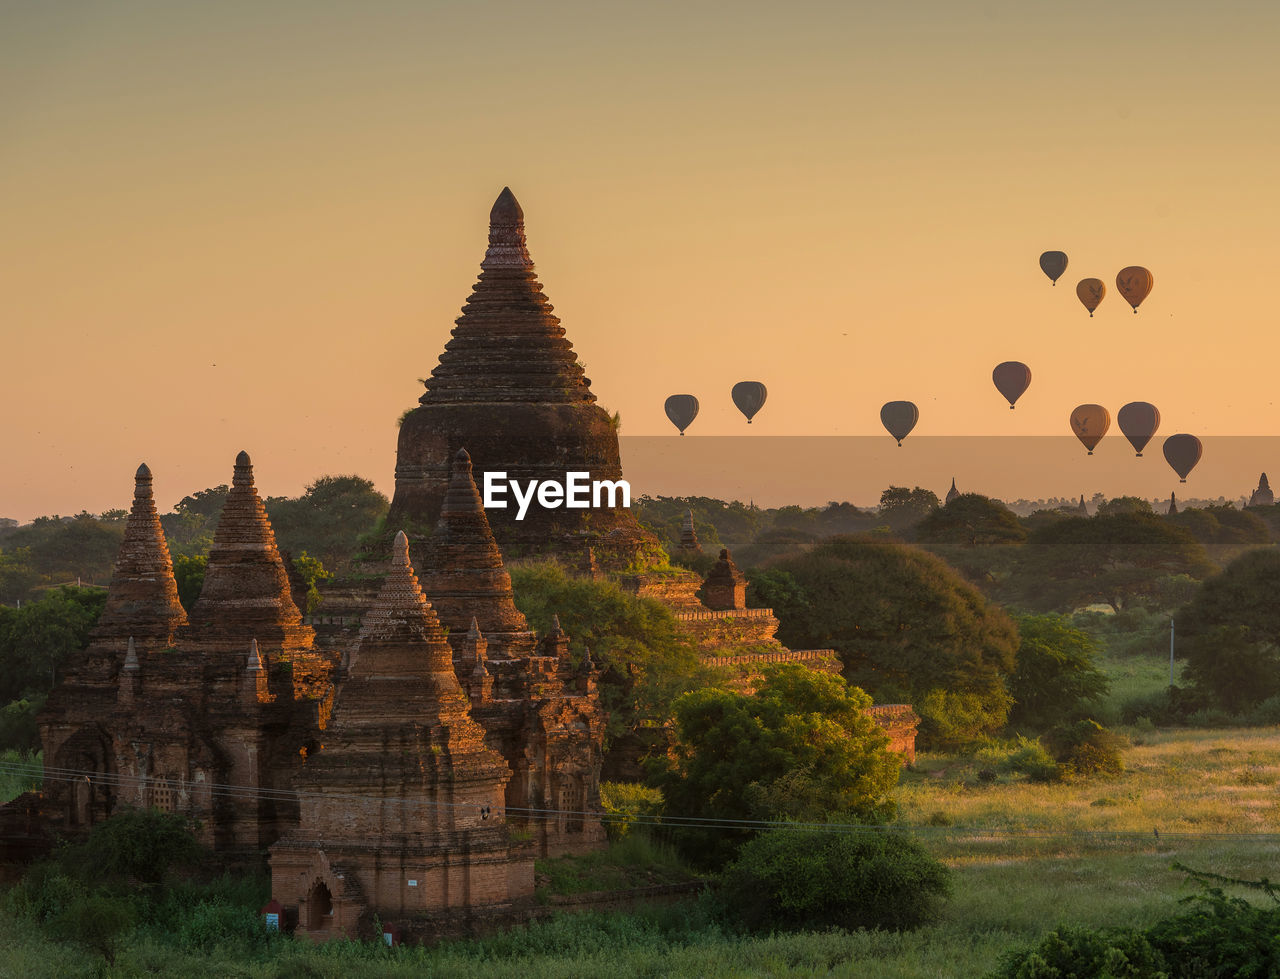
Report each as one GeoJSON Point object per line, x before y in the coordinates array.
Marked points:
{"type": "Point", "coordinates": [1262, 496]}
{"type": "Point", "coordinates": [509, 389]}
{"type": "Point", "coordinates": [405, 751]}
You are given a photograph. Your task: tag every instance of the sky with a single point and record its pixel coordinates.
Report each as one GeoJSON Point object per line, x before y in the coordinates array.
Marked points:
{"type": "Point", "coordinates": [250, 225]}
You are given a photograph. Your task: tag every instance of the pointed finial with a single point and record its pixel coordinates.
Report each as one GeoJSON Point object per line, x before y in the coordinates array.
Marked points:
{"type": "Point", "coordinates": [142, 483]}
{"type": "Point", "coordinates": [587, 663]}
{"type": "Point", "coordinates": [255, 658]}
{"type": "Point", "coordinates": [131, 656]}
{"type": "Point", "coordinates": [462, 461]}
{"type": "Point", "coordinates": [555, 623]}
{"type": "Point", "coordinates": [506, 235]}
{"type": "Point", "coordinates": [400, 550]}
{"type": "Point", "coordinates": [474, 631]}
{"type": "Point", "coordinates": [244, 470]}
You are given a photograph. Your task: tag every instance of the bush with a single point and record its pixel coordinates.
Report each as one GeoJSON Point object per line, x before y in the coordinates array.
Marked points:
{"type": "Point", "coordinates": [1022, 756]}
{"type": "Point", "coordinates": [217, 922]}
{"type": "Point", "coordinates": [1086, 748]}
{"type": "Point", "coordinates": [842, 877]}
{"type": "Point", "coordinates": [624, 803]}
{"type": "Point", "coordinates": [95, 920]}
{"type": "Point", "coordinates": [1071, 952]}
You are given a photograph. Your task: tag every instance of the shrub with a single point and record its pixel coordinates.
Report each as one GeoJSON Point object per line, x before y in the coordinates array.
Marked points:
{"type": "Point", "coordinates": [95, 920]}
{"type": "Point", "coordinates": [1086, 748]}
{"type": "Point", "coordinates": [844, 877]}
{"type": "Point", "coordinates": [1070, 952]}
{"type": "Point", "coordinates": [624, 803]}
{"type": "Point", "coordinates": [1023, 756]}
{"type": "Point", "coordinates": [217, 922]}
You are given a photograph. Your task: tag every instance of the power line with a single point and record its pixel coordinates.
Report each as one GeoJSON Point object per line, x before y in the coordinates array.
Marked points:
{"type": "Point", "coordinates": [252, 793]}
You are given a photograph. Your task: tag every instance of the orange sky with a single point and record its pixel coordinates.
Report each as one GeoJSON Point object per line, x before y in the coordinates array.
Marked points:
{"type": "Point", "coordinates": [247, 225]}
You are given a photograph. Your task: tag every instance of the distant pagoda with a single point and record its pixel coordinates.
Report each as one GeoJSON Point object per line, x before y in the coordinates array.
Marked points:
{"type": "Point", "coordinates": [510, 390]}
{"type": "Point", "coordinates": [1262, 496]}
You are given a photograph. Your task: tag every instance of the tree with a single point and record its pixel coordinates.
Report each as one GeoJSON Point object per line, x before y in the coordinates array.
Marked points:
{"type": "Point", "coordinates": [328, 519]}
{"type": "Point", "coordinates": [802, 747]}
{"type": "Point", "coordinates": [1118, 559]}
{"type": "Point", "coordinates": [1229, 634]}
{"type": "Point", "coordinates": [810, 879]}
{"type": "Point", "coordinates": [1123, 504]}
{"type": "Point", "coordinates": [907, 628]}
{"type": "Point", "coordinates": [903, 508]}
{"type": "Point", "coordinates": [1055, 675]}
{"type": "Point", "coordinates": [976, 535]}
{"type": "Point", "coordinates": [36, 639]}
{"type": "Point", "coordinates": [646, 659]}
{"type": "Point", "coordinates": [190, 528]}
{"type": "Point", "coordinates": [188, 573]}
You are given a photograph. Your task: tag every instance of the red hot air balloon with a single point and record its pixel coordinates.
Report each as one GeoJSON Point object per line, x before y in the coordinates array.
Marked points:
{"type": "Point", "coordinates": [1011, 379]}
{"type": "Point", "coordinates": [1138, 421]}
{"type": "Point", "coordinates": [1090, 423]}
{"type": "Point", "coordinates": [1090, 293]}
{"type": "Point", "coordinates": [1135, 284]}
{"type": "Point", "coordinates": [899, 417]}
{"type": "Point", "coordinates": [682, 409]}
{"type": "Point", "coordinates": [1182, 452]}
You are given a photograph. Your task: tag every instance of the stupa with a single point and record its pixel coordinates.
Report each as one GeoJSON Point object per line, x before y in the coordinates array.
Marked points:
{"type": "Point", "coordinates": [510, 389]}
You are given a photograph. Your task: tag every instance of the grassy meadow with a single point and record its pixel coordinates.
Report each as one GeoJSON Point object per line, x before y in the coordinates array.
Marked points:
{"type": "Point", "coordinates": [1027, 856]}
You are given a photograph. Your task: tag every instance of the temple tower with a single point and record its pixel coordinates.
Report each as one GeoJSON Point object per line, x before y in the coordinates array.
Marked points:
{"type": "Point", "coordinates": [402, 807]}
{"type": "Point", "coordinates": [509, 388]}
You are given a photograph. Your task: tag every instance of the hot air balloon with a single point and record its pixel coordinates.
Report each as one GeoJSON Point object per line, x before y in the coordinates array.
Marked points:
{"type": "Point", "coordinates": [1090, 423]}
{"type": "Point", "coordinates": [1182, 452]}
{"type": "Point", "coordinates": [899, 417]}
{"type": "Point", "coordinates": [1135, 284]}
{"type": "Point", "coordinates": [1139, 421]}
{"type": "Point", "coordinates": [1091, 292]}
{"type": "Point", "coordinates": [749, 397]}
{"type": "Point", "coordinates": [1011, 379]}
{"type": "Point", "coordinates": [682, 409]}
{"type": "Point", "coordinates": [1053, 264]}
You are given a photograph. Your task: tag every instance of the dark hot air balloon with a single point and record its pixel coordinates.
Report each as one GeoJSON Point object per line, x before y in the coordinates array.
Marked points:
{"type": "Point", "coordinates": [1011, 379]}
{"type": "Point", "coordinates": [749, 397]}
{"type": "Point", "coordinates": [899, 417]}
{"type": "Point", "coordinates": [1139, 421]}
{"type": "Point", "coordinates": [1053, 264]}
{"type": "Point", "coordinates": [682, 409]}
{"type": "Point", "coordinates": [1090, 292]}
{"type": "Point", "coordinates": [1135, 284]}
{"type": "Point", "coordinates": [1182, 452]}
{"type": "Point", "coordinates": [1090, 423]}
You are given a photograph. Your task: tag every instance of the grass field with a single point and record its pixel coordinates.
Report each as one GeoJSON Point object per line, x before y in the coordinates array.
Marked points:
{"type": "Point", "coordinates": [1027, 857]}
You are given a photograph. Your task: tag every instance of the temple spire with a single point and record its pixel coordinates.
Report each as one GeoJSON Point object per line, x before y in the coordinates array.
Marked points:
{"type": "Point", "coordinates": [246, 593]}
{"type": "Point", "coordinates": [463, 573]}
{"type": "Point", "coordinates": [507, 246]}
{"type": "Point", "coordinates": [142, 599]}
{"type": "Point", "coordinates": [951, 493]}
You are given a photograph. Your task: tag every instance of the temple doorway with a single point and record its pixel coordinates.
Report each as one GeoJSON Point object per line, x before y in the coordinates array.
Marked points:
{"type": "Point", "coordinates": [319, 907]}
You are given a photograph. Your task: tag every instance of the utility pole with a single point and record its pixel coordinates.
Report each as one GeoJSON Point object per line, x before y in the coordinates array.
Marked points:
{"type": "Point", "coordinates": [1171, 652]}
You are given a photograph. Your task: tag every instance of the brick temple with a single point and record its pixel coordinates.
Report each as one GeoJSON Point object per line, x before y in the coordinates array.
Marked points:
{"type": "Point", "coordinates": [408, 749]}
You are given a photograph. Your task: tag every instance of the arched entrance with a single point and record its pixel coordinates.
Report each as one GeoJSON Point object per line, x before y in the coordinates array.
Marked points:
{"type": "Point", "coordinates": [319, 907]}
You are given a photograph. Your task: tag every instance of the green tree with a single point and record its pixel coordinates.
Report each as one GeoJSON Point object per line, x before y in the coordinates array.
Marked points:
{"type": "Point", "coordinates": [833, 877]}
{"type": "Point", "coordinates": [1119, 560]}
{"type": "Point", "coordinates": [646, 659]}
{"type": "Point", "coordinates": [903, 508]}
{"type": "Point", "coordinates": [1124, 504]}
{"type": "Point", "coordinates": [802, 747]}
{"type": "Point", "coordinates": [908, 629]}
{"type": "Point", "coordinates": [1229, 634]}
{"type": "Point", "coordinates": [978, 536]}
{"type": "Point", "coordinates": [189, 529]}
{"type": "Point", "coordinates": [36, 640]}
{"type": "Point", "coordinates": [312, 573]}
{"type": "Point", "coordinates": [1055, 675]}
{"type": "Point", "coordinates": [188, 573]}
{"type": "Point", "coordinates": [328, 519]}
